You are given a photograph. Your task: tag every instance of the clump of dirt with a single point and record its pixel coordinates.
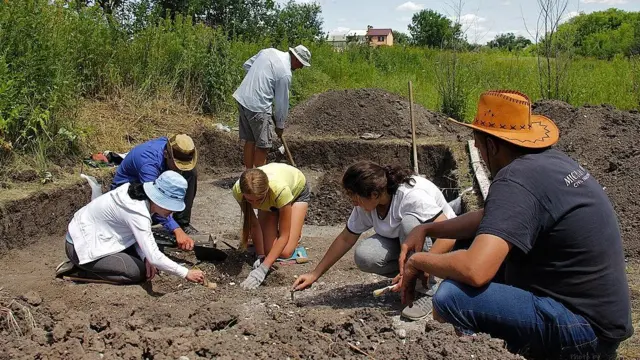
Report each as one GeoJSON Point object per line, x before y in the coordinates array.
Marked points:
{"type": "Point", "coordinates": [25, 175]}
{"type": "Point", "coordinates": [605, 142]}
{"type": "Point", "coordinates": [357, 111]}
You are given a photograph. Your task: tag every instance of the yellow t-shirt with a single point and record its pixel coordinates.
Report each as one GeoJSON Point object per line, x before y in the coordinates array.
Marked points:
{"type": "Point", "coordinates": [285, 181]}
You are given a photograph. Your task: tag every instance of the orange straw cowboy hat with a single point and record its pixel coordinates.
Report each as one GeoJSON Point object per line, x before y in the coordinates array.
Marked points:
{"type": "Point", "coordinates": [506, 114]}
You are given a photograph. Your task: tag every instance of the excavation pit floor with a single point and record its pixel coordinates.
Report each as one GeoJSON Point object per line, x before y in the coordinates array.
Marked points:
{"type": "Point", "coordinates": [169, 317]}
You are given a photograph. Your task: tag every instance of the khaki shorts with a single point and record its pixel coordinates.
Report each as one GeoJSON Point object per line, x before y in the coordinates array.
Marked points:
{"type": "Point", "coordinates": [255, 127]}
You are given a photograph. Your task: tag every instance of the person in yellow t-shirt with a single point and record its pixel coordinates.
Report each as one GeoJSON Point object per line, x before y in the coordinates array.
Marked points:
{"type": "Point", "coordinates": [281, 194]}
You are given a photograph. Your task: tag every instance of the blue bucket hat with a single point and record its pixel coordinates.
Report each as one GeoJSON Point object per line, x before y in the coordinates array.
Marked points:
{"type": "Point", "coordinates": [167, 191]}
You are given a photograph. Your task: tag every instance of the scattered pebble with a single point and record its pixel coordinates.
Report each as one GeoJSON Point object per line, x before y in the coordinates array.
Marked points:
{"type": "Point", "coordinates": [402, 333]}
{"type": "Point", "coordinates": [232, 283]}
{"type": "Point", "coordinates": [32, 298]}
{"type": "Point", "coordinates": [246, 338]}
{"type": "Point", "coordinates": [183, 358]}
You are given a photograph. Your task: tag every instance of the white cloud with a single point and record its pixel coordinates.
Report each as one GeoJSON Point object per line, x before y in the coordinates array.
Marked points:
{"type": "Point", "coordinates": [470, 19]}
{"type": "Point", "coordinates": [605, 2]}
{"type": "Point", "coordinates": [405, 19]}
{"type": "Point", "coordinates": [474, 27]}
{"type": "Point", "coordinates": [410, 6]}
{"type": "Point", "coordinates": [506, 2]}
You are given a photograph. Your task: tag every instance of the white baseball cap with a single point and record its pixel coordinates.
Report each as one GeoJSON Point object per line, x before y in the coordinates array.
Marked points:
{"type": "Point", "coordinates": [302, 53]}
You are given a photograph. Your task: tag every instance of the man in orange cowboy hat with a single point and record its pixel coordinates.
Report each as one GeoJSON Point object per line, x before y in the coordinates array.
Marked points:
{"type": "Point", "coordinates": [550, 224]}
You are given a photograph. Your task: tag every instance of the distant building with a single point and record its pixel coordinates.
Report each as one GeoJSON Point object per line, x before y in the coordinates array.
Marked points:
{"type": "Point", "coordinates": [380, 37]}
{"type": "Point", "coordinates": [340, 40]}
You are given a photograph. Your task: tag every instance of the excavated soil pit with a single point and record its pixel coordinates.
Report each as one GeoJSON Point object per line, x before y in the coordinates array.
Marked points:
{"type": "Point", "coordinates": [329, 206]}
{"type": "Point", "coordinates": [324, 162]}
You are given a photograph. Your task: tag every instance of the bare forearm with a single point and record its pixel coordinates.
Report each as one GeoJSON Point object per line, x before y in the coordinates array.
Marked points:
{"type": "Point", "coordinates": [442, 246]}
{"type": "Point", "coordinates": [445, 266]}
{"type": "Point", "coordinates": [461, 227]}
{"type": "Point", "coordinates": [278, 246]}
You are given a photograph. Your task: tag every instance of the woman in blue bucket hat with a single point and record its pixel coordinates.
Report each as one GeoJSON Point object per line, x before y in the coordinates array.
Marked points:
{"type": "Point", "coordinates": [109, 240]}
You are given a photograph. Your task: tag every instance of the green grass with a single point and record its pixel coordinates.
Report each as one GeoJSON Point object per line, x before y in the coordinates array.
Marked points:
{"type": "Point", "coordinates": [589, 81]}
{"type": "Point", "coordinates": [51, 57]}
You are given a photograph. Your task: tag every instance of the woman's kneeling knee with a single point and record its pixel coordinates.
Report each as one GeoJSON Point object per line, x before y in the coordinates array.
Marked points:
{"type": "Point", "coordinates": [367, 261]}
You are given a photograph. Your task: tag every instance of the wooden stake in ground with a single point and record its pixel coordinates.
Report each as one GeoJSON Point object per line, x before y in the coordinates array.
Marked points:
{"type": "Point", "coordinates": [413, 131]}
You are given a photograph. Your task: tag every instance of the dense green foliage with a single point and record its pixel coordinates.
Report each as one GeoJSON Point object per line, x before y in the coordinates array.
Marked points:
{"type": "Point", "coordinates": [432, 29]}
{"type": "Point", "coordinates": [400, 38]}
{"type": "Point", "coordinates": [509, 42]}
{"type": "Point", "coordinates": [54, 54]}
{"type": "Point", "coordinates": [603, 34]}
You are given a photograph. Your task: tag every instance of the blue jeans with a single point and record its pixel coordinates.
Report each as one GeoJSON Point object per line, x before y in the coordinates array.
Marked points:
{"type": "Point", "coordinates": [537, 327]}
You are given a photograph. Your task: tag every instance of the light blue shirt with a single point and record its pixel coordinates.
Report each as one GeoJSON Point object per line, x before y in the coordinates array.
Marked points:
{"type": "Point", "coordinates": [266, 84]}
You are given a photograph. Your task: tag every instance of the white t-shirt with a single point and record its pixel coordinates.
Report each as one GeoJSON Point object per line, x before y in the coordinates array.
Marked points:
{"type": "Point", "coordinates": [423, 200]}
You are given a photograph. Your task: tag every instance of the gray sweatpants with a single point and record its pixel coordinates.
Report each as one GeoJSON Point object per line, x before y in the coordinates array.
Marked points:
{"type": "Point", "coordinates": [124, 267]}
{"type": "Point", "coordinates": [379, 255]}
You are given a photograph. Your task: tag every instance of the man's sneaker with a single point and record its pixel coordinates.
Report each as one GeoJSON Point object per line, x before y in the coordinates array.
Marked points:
{"type": "Point", "coordinates": [64, 268]}
{"type": "Point", "coordinates": [421, 308]}
{"type": "Point", "coordinates": [190, 230]}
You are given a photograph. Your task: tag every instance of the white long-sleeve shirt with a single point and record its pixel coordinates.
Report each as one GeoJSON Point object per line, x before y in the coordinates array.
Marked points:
{"type": "Point", "coordinates": [266, 84]}
{"type": "Point", "coordinates": [113, 222]}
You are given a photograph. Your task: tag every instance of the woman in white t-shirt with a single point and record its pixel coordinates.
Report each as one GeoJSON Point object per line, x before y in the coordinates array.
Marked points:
{"type": "Point", "coordinates": [392, 201]}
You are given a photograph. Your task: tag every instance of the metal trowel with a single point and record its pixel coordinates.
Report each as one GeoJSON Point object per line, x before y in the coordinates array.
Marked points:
{"type": "Point", "coordinates": [204, 248]}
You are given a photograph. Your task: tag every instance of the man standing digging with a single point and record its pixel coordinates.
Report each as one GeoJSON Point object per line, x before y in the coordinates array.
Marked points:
{"type": "Point", "coordinates": [565, 293]}
{"type": "Point", "coordinates": [265, 84]}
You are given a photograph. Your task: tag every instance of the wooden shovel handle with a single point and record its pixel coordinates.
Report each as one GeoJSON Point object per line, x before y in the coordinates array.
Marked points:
{"type": "Point", "coordinates": [286, 149]}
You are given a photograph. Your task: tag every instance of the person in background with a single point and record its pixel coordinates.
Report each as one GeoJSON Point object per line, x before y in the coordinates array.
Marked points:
{"type": "Point", "coordinates": [393, 201]}
{"type": "Point", "coordinates": [549, 222]}
{"type": "Point", "coordinates": [265, 85]}
{"type": "Point", "coordinates": [145, 162]}
{"type": "Point", "coordinates": [110, 238]}
{"type": "Point", "coordinates": [281, 194]}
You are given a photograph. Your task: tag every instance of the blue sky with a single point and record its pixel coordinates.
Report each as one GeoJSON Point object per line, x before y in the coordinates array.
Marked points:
{"type": "Point", "coordinates": [482, 19]}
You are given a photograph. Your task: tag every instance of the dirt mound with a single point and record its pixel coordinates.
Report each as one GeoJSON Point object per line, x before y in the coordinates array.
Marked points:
{"type": "Point", "coordinates": [217, 331]}
{"type": "Point", "coordinates": [605, 142]}
{"type": "Point", "coordinates": [359, 111]}
{"type": "Point", "coordinates": [330, 205]}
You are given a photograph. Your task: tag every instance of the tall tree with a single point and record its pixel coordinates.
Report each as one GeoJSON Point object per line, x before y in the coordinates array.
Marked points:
{"type": "Point", "coordinates": [298, 22]}
{"type": "Point", "coordinates": [401, 38]}
{"type": "Point", "coordinates": [432, 29]}
{"type": "Point", "coordinates": [248, 19]}
{"type": "Point", "coordinates": [509, 41]}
